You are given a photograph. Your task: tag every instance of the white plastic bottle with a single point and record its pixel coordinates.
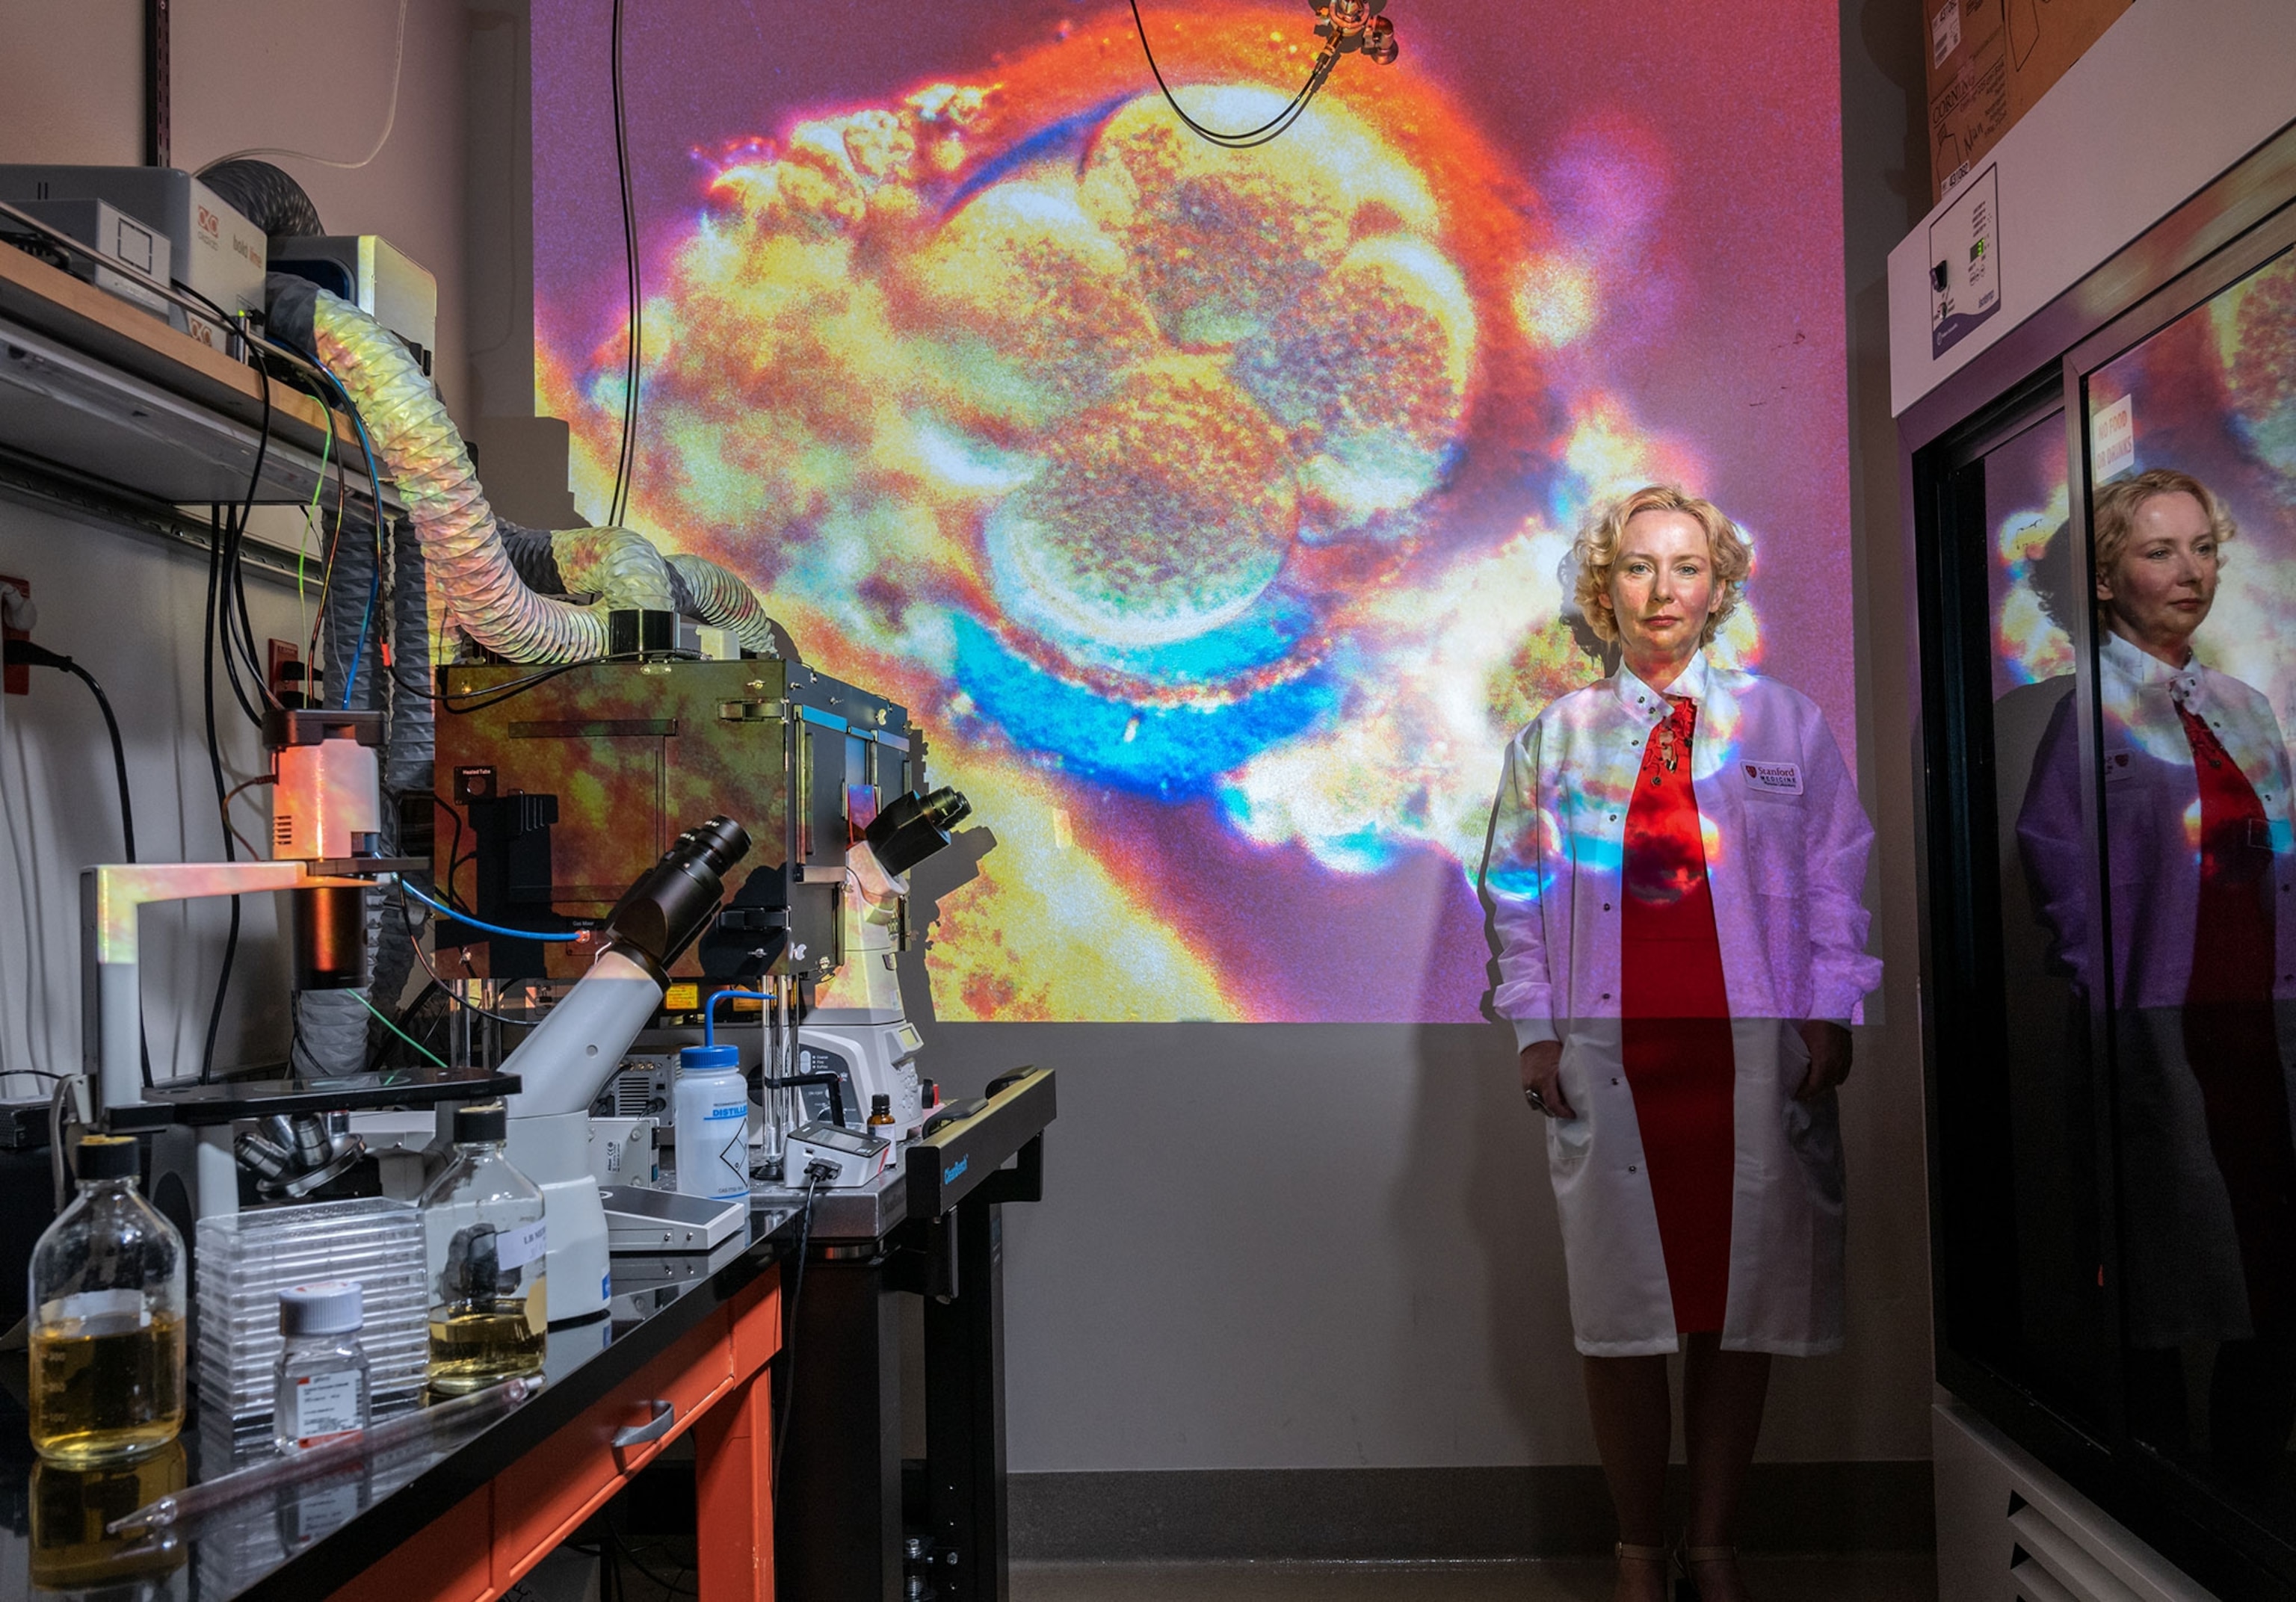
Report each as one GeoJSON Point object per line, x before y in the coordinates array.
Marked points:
{"type": "Point", "coordinates": [712, 1109]}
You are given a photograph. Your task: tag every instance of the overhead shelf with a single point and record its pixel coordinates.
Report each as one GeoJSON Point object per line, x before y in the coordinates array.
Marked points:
{"type": "Point", "coordinates": [106, 407]}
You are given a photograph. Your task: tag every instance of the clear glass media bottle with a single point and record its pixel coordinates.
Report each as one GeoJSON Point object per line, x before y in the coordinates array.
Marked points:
{"type": "Point", "coordinates": [107, 1318]}
{"type": "Point", "coordinates": [483, 1231]}
{"type": "Point", "coordinates": [320, 1387]}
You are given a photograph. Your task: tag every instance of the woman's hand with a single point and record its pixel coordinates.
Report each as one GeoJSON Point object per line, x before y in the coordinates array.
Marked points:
{"type": "Point", "coordinates": [1829, 1057]}
{"type": "Point", "coordinates": [1542, 1079]}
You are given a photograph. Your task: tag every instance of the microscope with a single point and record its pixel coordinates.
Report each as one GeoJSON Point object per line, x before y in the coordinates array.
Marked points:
{"type": "Point", "coordinates": [326, 823]}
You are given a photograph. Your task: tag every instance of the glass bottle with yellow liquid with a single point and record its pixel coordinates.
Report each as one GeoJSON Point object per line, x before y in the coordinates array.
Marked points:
{"type": "Point", "coordinates": [483, 1231]}
{"type": "Point", "coordinates": [107, 1320]}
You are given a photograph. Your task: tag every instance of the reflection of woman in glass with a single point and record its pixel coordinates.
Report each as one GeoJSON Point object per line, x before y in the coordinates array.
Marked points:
{"type": "Point", "coordinates": [2203, 940]}
{"type": "Point", "coordinates": [1674, 872]}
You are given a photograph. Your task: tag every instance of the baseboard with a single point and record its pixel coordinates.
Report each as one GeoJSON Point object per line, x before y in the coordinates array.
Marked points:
{"type": "Point", "coordinates": [1396, 1514]}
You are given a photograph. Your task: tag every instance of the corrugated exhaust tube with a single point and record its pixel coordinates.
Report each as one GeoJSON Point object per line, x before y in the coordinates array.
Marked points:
{"type": "Point", "coordinates": [717, 598]}
{"type": "Point", "coordinates": [463, 553]}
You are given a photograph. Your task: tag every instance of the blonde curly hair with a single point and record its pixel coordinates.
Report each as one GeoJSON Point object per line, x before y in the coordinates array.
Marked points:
{"type": "Point", "coordinates": [1595, 552]}
{"type": "Point", "coordinates": [2113, 518]}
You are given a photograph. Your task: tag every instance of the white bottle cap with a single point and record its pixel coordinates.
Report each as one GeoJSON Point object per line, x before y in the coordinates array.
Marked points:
{"type": "Point", "coordinates": [329, 1307]}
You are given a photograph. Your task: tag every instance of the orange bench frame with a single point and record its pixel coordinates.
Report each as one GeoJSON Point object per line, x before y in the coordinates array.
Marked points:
{"type": "Point", "coordinates": [715, 1378]}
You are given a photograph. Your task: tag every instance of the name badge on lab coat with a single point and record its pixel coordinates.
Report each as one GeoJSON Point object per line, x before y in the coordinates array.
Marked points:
{"type": "Point", "coordinates": [1773, 778]}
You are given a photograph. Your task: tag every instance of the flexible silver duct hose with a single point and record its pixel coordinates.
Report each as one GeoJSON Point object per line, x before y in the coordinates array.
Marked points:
{"type": "Point", "coordinates": [721, 600]}
{"type": "Point", "coordinates": [419, 446]}
{"type": "Point", "coordinates": [613, 562]}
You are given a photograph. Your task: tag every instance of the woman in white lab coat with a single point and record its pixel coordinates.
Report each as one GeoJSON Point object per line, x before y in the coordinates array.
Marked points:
{"type": "Point", "coordinates": [2200, 882]}
{"type": "Point", "coordinates": [1675, 874]}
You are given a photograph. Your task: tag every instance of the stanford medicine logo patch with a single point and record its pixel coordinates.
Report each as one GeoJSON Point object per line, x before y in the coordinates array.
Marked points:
{"type": "Point", "coordinates": [1773, 778]}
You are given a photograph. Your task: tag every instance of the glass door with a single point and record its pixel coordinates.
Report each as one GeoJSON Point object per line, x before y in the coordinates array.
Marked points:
{"type": "Point", "coordinates": [2191, 522]}
{"type": "Point", "coordinates": [2022, 1241]}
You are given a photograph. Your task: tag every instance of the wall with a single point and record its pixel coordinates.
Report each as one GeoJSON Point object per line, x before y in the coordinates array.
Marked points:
{"type": "Point", "coordinates": [1335, 1248]}
{"type": "Point", "coordinates": [247, 72]}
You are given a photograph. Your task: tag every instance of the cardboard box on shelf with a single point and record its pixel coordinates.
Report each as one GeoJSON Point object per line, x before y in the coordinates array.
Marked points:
{"type": "Point", "coordinates": [1990, 60]}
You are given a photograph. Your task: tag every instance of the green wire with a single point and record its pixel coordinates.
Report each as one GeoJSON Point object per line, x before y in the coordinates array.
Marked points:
{"type": "Point", "coordinates": [395, 1029]}
{"type": "Point", "coordinates": [303, 544]}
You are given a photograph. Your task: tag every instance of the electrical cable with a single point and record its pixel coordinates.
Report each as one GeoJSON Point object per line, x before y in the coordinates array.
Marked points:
{"type": "Point", "coordinates": [215, 744]}
{"type": "Point", "coordinates": [406, 923]}
{"type": "Point", "coordinates": [634, 342]}
{"type": "Point", "coordinates": [215, 764]}
{"type": "Point", "coordinates": [383, 1018]}
{"type": "Point", "coordinates": [26, 652]}
{"type": "Point", "coordinates": [390, 122]}
{"type": "Point", "coordinates": [673, 1587]}
{"type": "Point", "coordinates": [478, 923]}
{"type": "Point", "coordinates": [374, 487]}
{"type": "Point", "coordinates": [1274, 129]}
{"type": "Point", "coordinates": [454, 851]}
{"type": "Point", "coordinates": [789, 1347]}
{"type": "Point", "coordinates": [311, 525]}
{"type": "Point", "coordinates": [236, 790]}
{"type": "Point", "coordinates": [495, 695]}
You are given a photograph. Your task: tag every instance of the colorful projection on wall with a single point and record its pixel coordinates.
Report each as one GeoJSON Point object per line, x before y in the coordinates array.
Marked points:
{"type": "Point", "coordinates": [1208, 507]}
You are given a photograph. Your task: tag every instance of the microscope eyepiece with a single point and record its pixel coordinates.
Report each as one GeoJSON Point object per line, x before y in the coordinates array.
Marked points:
{"type": "Point", "coordinates": [666, 910]}
{"type": "Point", "coordinates": [912, 827]}
{"type": "Point", "coordinates": [719, 843]}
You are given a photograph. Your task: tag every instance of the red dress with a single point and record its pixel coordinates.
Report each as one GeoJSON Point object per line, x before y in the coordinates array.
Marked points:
{"type": "Point", "coordinates": [1680, 1061]}
{"type": "Point", "coordinates": [2230, 1038]}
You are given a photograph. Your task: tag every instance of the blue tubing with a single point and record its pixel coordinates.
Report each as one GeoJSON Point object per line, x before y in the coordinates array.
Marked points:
{"type": "Point", "coordinates": [477, 923]}
{"type": "Point", "coordinates": [710, 1013]}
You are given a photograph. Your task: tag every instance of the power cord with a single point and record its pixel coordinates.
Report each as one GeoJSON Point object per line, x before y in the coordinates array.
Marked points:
{"type": "Point", "coordinates": [634, 345]}
{"type": "Point", "coordinates": [389, 120]}
{"type": "Point", "coordinates": [1274, 129]}
{"type": "Point", "coordinates": [26, 653]}
{"type": "Point", "coordinates": [816, 1174]}
{"type": "Point", "coordinates": [219, 610]}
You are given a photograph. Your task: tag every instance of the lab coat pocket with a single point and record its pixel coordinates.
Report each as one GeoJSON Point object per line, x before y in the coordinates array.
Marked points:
{"type": "Point", "coordinates": [1569, 1140]}
{"type": "Point", "coordinates": [1814, 1133]}
{"type": "Point", "coordinates": [1777, 854]}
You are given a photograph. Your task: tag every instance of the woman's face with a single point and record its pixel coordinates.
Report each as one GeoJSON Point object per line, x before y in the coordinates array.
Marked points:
{"type": "Point", "coordinates": [1662, 588]}
{"type": "Point", "coordinates": [2165, 582]}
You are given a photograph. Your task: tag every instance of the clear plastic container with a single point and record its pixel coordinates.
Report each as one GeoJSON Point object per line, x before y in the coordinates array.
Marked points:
{"type": "Point", "coordinates": [712, 1102]}
{"type": "Point", "coordinates": [107, 1309]}
{"type": "Point", "coordinates": [484, 1236]}
{"type": "Point", "coordinates": [246, 1259]}
{"type": "Point", "coordinates": [322, 1386]}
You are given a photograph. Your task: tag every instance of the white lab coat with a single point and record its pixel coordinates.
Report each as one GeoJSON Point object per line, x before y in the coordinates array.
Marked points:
{"type": "Point", "coordinates": [1786, 843]}
{"type": "Point", "coordinates": [2181, 1249]}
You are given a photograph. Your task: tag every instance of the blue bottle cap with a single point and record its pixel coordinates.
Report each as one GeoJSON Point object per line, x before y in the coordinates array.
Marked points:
{"type": "Point", "coordinates": [709, 1060]}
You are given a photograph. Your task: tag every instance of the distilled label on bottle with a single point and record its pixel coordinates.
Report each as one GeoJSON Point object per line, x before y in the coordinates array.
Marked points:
{"type": "Point", "coordinates": [326, 1405]}
{"type": "Point", "coordinates": [515, 1248]}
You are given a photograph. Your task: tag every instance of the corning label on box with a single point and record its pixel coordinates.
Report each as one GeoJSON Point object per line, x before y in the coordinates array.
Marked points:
{"type": "Point", "coordinates": [2113, 439]}
{"type": "Point", "coordinates": [1965, 264]}
{"type": "Point", "coordinates": [1945, 32]}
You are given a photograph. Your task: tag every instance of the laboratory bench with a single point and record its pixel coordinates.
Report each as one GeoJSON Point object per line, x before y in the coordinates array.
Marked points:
{"type": "Point", "coordinates": [456, 1517]}
{"type": "Point", "coordinates": [684, 1346]}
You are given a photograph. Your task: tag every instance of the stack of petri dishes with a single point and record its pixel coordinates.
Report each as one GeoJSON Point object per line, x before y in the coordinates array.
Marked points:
{"type": "Point", "coordinates": [245, 1260]}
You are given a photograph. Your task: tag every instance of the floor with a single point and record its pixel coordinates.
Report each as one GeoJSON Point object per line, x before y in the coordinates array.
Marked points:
{"type": "Point", "coordinates": [1890, 1578]}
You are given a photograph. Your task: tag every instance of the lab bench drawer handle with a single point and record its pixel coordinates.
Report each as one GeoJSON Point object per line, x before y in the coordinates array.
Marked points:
{"type": "Point", "coordinates": [665, 1417]}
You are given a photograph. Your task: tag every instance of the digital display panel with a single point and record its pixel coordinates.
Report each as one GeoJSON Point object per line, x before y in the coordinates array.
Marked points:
{"type": "Point", "coordinates": [1208, 508]}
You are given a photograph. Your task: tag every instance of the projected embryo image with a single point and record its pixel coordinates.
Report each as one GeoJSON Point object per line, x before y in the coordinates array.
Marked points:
{"type": "Point", "coordinates": [1207, 507]}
